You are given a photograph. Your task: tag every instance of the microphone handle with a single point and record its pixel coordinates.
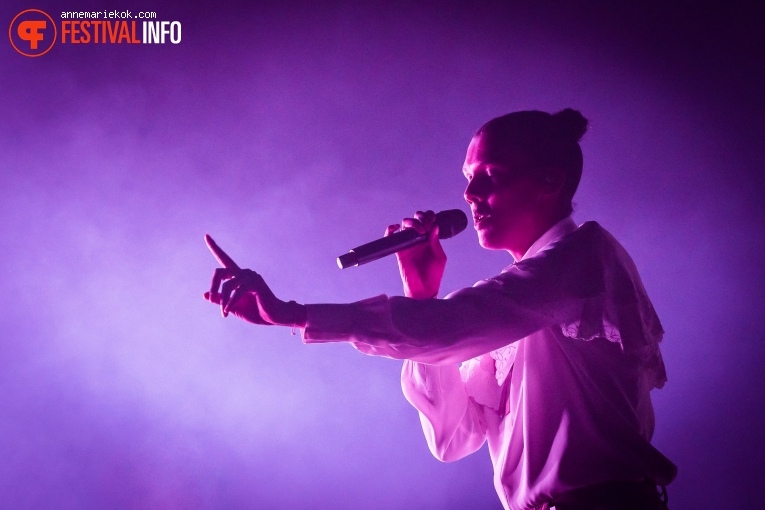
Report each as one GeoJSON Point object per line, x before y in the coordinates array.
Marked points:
{"type": "Point", "coordinates": [381, 248]}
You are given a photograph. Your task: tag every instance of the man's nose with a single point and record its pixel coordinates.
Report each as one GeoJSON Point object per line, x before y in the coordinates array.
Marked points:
{"type": "Point", "coordinates": [475, 190]}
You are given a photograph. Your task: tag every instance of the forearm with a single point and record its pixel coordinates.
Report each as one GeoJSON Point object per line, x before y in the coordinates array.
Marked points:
{"type": "Point", "coordinates": [370, 326]}
{"type": "Point", "coordinates": [434, 331]}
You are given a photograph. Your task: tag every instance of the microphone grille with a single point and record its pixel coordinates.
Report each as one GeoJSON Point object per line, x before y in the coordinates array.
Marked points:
{"type": "Point", "coordinates": [450, 223]}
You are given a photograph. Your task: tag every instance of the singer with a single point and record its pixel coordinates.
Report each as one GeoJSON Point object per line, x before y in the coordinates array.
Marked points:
{"type": "Point", "coordinates": [551, 361]}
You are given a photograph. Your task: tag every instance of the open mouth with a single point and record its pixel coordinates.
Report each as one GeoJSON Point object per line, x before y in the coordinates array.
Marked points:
{"type": "Point", "coordinates": [479, 218]}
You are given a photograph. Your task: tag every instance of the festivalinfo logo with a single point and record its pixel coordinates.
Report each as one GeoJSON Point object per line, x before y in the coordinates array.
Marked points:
{"type": "Point", "coordinates": [34, 32]}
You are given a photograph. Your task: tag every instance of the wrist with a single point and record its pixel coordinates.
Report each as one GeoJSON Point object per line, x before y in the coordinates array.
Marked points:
{"type": "Point", "coordinates": [299, 314]}
{"type": "Point", "coordinates": [421, 294]}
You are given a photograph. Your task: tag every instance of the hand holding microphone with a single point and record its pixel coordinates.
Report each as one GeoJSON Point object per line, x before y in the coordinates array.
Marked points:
{"type": "Point", "coordinates": [421, 258]}
{"type": "Point", "coordinates": [450, 223]}
{"type": "Point", "coordinates": [421, 266]}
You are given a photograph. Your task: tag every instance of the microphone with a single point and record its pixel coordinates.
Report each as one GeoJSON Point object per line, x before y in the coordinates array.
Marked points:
{"type": "Point", "coordinates": [450, 223]}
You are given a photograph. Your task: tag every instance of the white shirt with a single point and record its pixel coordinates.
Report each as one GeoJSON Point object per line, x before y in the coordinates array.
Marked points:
{"type": "Point", "coordinates": [559, 353]}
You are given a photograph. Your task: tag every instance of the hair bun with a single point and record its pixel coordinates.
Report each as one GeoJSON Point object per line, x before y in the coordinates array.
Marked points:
{"type": "Point", "coordinates": [570, 124]}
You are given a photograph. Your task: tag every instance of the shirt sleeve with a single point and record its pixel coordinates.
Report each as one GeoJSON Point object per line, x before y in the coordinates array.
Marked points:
{"type": "Point", "coordinates": [452, 422]}
{"type": "Point", "coordinates": [536, 293]}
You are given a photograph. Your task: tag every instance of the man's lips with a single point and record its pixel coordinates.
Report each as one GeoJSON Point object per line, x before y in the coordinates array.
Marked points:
{"type": "Point", "coordinates": [480, 217]}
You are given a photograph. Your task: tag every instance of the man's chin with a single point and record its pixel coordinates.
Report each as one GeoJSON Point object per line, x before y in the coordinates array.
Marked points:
{"type": "Point", "coordinates": [487, 241]}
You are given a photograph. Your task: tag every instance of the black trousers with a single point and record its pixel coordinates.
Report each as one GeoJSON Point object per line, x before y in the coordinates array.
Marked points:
{"type": "Point", "coordinates": [613, 496]}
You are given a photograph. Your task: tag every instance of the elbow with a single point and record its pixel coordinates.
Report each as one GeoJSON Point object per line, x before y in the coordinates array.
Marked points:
{"type": "Point", "coordinates": [448, 444]}
{"type": "Point", "coordinates": [442, 453]}
{"type": "Point", "coordinates": [442, 447]}
{"type": "Point", "coordinates": [445, 452]}
{"type": "Point", "coordinates": [439, 447]}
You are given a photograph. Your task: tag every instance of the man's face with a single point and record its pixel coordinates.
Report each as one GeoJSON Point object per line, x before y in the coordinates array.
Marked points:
{"type": "Point", "coordinates": [503, 196]}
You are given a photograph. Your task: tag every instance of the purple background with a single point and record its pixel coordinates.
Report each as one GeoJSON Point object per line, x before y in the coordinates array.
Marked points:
{"type": "Point", "coordinates": [292, 132]}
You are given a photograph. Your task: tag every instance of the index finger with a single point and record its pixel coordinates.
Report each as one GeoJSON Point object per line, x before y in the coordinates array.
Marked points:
{"type": "Point", "coordinates": [219, 254]}
{"type": "Point", "coordinates": [425, 217]}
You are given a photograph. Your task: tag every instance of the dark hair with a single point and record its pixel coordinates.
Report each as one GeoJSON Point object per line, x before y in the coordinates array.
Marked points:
{"type": "Point", "coordinates": [550, 140]}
